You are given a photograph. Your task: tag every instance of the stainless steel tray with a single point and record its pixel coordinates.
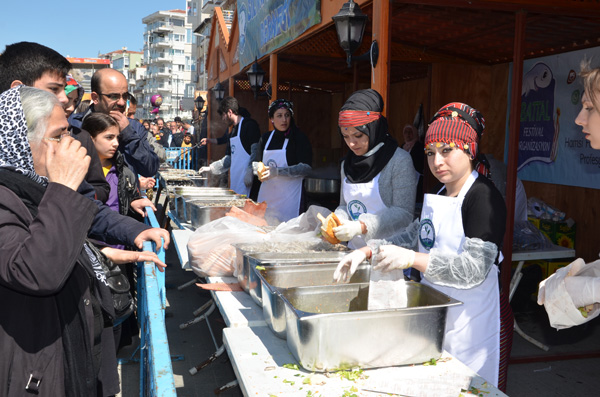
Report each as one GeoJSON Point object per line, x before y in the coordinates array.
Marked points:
{"type": "Point", "coordinates": [250, 281]}
{"type": "Point", "coordinates": [202, 215]}
{"type": "Point", "coordinates": [329, 328]}
{"type": "Point", "coordinates": [186, 190]}
{"type": "Point", "coordinates": [183, 203]}
{"type": "Point", "coordinates": [272, 278]}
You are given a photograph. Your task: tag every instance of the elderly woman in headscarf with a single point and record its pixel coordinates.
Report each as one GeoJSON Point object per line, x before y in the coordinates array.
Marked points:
{"type": "Point", "coordinates": [56, 323]}
{"type": "Point", "coordinates": [458, 242]}
{"type": "Point", "coordinates": [283, 159]}
{"type": "Point", "coordinates": [378, 178]}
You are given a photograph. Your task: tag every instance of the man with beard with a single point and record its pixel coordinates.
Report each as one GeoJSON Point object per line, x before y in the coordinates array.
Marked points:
{"type": "Point", "coordinates": [109, 96]}
{"type": "Point", "coordinates": [244, 135]}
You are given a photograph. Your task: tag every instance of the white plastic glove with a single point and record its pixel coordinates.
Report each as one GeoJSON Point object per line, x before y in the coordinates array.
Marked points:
{"type": "Point", "coordinates": [348, 265]}
{"type": "Point", "coordinates": [204, 169]}
{"type": "Point", "coordinates": [268, 173]}
{"type": "Point", "coordinates": [255, 167]}
{"type": "Point", "coordinates": [393, 257]}
{"type": "Point", "coordinates": [348, 230]}
{"type": "Point", "coordinates": [583, 290]}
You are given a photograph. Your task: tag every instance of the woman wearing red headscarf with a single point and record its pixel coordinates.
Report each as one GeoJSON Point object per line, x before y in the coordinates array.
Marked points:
{"type": "Point", "coordinates": [460, 236]}
{"type": "Point", "coordinates": [378, 179]}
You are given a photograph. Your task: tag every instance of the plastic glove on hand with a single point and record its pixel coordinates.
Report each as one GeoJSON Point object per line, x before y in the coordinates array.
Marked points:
{"type": "Point", "coordinates": [348, 230]}
{"type": "Point", "coordinates": [393, 257]}
{"type": "Point", "coordinates": [348, 265]}
{"type": "Point", "coordinates": [268, 173]}
{"type": "Point", "coordinates": [204, 169]}
{"type": "Point", "coordinates": [583, 290]}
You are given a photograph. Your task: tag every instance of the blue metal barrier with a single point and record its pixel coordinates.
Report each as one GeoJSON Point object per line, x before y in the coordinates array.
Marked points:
{"type": "Point", "coordinates": [156, 371]}
{"type": "Point", "coordinates": [184, 158]}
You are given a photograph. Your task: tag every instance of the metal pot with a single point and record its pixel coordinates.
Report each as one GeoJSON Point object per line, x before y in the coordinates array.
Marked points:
{"type": "Point", "coordinates": [322, 186]}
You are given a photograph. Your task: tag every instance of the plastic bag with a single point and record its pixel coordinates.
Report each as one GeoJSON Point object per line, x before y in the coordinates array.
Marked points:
{"type": "Point", "coordinates": [559, 305]}
{"type": "Point", "coordinates": [528, 237]}
{"type": "Point", "coordinates": [210, 249]}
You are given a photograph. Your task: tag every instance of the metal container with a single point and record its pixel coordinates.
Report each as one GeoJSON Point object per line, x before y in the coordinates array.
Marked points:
{"type": "Point", "coordinates": [273, 278]}
{"type": "Point", "coordinates": [329, 328]}
{"type": "Point", "coordinates": [205, 191]}
{"type": "Point", "coordinates": [322, 186]}
{"type": "Point", "coordinates": [201, 215]}
{"type": "Point", "coordinates": [183, 203]}
{"type": "Point", "coordinates": [249, 280]}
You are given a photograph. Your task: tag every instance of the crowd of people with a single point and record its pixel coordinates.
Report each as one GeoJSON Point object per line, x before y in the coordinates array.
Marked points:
{"type": "Point", "coordinates": [72, 176]}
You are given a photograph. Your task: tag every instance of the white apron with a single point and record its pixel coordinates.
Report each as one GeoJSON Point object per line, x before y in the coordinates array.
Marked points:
{"type": "Point", "coordinates": [282, 193]}
{"type": "Point", "coordinates": [472, 329]}
{"type": "Point", "coordinates": [362, 198]}
{"type": "Point", "coordinates": [239, 163]}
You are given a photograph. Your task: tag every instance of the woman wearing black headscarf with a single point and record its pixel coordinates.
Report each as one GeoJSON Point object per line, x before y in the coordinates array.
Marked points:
{"type": "Point", "coordinates": [287, 157]}
{"type": "Point", "coordinates": [378, 178]}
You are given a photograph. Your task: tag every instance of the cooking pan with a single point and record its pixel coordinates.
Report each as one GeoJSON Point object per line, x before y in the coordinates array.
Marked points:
{"type": "Point", "coordinates": [323, 186]}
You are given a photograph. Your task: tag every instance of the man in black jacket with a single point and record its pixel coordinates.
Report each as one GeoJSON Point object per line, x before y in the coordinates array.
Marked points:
{"type": "Point", "coordinates": [41, 67]}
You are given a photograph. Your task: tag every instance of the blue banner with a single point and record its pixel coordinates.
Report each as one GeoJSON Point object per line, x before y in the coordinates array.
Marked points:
{"type": "Point", "coordinates": [266, 25]}
{"type": "Point", "coordinates": [552, 148]}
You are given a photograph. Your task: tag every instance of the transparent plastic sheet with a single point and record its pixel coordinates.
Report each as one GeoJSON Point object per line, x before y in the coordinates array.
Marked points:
{"type": "Point", "coordinates": [406, 237]}
{"type": "Point", "coordinates": [528, 237]}
{"type": "Point", "coordinates": [465, 270]}
{"type": "Point", "coordinates": [210, 249]}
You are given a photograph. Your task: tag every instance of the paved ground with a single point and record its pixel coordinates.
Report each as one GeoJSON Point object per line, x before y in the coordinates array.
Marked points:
{"type": "Point", "coordinates": [578, 377]}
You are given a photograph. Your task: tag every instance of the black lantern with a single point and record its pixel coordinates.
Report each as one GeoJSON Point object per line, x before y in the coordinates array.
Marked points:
{"type": "Point", "coordinates": [256, 76]}
{"type": "Point", "coordinates": [350, 24]}
{"type": "Point", "coordinates": [199, 103]}
{"type": "Point", "coordinates": [219, 91]}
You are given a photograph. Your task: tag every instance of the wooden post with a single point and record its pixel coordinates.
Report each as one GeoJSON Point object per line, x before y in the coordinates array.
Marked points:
{"type": "Point", "coordinates": [231, 86]}
{"type": "Point", "coordinates": [273, 76]}
{"type": "Point", "coordinates": [513, 146]}
{"type": "Point", "coordinates": [381, 32]}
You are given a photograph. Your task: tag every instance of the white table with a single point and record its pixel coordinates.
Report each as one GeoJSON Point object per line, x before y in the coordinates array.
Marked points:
{"type": "Point", "coordinates": [237, 307]}
{"type": "Point", "coordinates": [555, 252]}
{"type": "Point", "coordinates": [180, 238]}
{"type": "Point", "coordinates": [258, 356]}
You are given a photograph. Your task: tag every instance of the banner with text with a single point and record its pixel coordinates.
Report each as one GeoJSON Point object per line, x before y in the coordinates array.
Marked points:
{"type": "Point", "coordinates": [552, 148]}
{"type": "Point", "coordinates": [266, 25]}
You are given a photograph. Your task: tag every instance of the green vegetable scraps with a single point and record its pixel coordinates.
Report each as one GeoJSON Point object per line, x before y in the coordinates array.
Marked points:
{"type": "Point", "coordinates": [291, 366]}
{"type": "Point", "coordinates": [254, 354]}
{"type": "Point", "coordinates": [353, 375]}
{"type": "Point", "coordinates": [583, 312]}
{"type": "Point", "coordinates": [433, 361]}
{"type": "Point", "coordinates": [260, 268]}
{"type": "Point", "coordinates": [475, 391]}
{"type": "Point", "coordinates": [291, 382]}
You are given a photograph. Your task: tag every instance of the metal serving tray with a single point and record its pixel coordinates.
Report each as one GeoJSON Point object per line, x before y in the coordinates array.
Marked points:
{"type": "Point", "coordinates": [329, 328]}
{"type": "Point", "coordinates": [183, 203]}
{"type": "Point", "coordinates": [187, 190]}
{"type": "Point", "coordinates": [272, 278]}
{"type": "Point", "coordinates": [201, 215]}
{"type": "Point", "coordinates": [249, 280]}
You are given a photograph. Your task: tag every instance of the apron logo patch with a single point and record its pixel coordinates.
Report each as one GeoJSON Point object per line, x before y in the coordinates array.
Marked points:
{"type": "Point", "coordinates": [232, 149]}
{"type": "Point", "coordinates": [272, 163]}
{"type": "Point", "coordinates": [356, 208]}
{"type": "Point", "coordinates": [426, 234]}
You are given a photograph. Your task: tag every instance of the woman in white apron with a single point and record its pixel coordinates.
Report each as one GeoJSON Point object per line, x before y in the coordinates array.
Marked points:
{"type": "Point", "coordinates": [287, 155]}
{"type": "Point", "coordinates": [459, 238]}
{"type": "Point", "coordinates": [378, 178]}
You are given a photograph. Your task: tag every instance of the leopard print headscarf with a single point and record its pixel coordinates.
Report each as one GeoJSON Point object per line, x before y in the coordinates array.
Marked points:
{"type": "Point", "coordinates": [15, 152]}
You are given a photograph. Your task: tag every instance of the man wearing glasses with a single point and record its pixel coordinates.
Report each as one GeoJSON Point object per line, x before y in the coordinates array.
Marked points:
{"type": "Point", "coordinates": [109, 96]}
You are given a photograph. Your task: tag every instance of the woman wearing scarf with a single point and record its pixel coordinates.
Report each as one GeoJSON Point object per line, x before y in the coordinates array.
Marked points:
{"type": "Point", "coordinates": [287, 156]}
{"type": "Point", "coordinates": [459, 240]}
{"type": "Point", "coordinates": [378, 178]}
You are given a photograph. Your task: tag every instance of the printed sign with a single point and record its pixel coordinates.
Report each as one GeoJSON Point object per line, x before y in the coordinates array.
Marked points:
{"type": "Point", "coordinates": [266, 25]}
{"type": "Point", "coordinates": [552, 148]}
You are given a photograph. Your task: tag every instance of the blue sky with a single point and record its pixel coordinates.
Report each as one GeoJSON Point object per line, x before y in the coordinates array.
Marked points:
{"type": "Point", "coordinates": [81, 28]}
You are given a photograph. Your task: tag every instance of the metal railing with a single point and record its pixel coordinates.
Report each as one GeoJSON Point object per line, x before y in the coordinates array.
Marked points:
{"type": "Point", "coordinates": [156, 371]}
{"type": "Point", "coordinates": [184, 158]}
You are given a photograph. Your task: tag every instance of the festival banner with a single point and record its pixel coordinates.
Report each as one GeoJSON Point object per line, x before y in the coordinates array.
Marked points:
{"type": "Point", "coordinates": [552, 148]}
{"type": "Point", "coordinates": [266, 25]}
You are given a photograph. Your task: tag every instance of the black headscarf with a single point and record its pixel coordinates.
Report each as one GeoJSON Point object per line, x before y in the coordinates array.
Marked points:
{"type": "Point", "coordinates": [362, 169]}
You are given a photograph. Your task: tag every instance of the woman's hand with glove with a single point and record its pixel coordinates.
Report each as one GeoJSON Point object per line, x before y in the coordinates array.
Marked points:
{"type": "Point", "coordinates": [348, 230]}
{"type": "Point", "coordinates": [584, 290]}
{"type": "Point", "coordinates": [348, 265]}
{"type": "Point", "coordinates": [268, 173]}
{"type": "Point", "coordinates": [393, 257]}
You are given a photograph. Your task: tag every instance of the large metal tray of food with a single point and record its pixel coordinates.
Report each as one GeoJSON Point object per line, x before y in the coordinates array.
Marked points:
{"type": "Point", "coordinates": [272, 278]}
{"type": "Point", "coordinates": [329, 328]}
{"type": "Point", "coordinates": [270, 259]}
{"type": "Point", "coordinates": [204, 191]}
{"type": "Point", "coordinates": [183, 204]}
{"type": "Point", "coordinates": [248, 256]}
{"type": "Point", "coordinates": [201, 215]}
